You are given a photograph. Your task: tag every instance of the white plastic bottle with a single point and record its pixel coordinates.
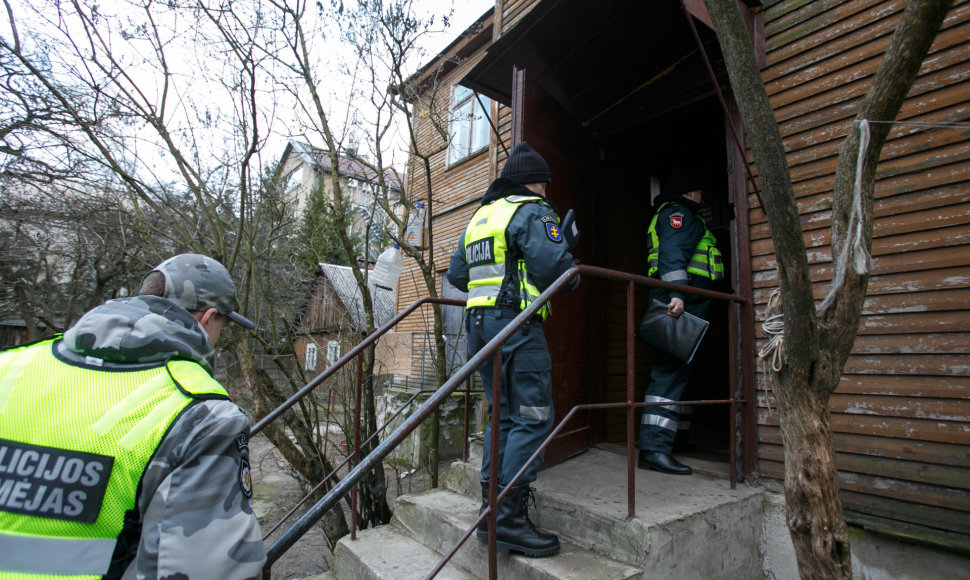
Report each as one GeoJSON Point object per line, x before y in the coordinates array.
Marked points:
{"type": "Point", "coordinates": [387, 270]}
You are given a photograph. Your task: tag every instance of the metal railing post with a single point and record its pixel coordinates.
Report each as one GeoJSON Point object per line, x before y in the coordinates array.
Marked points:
{"type": "Point", "coordinates": [495, 421]}
{"type": "Point", "coordinates": [358, 397]}
{"type": "Point", "coordinates": [491, 350]}
{"type": "Point", "coordinates": [630, 396]}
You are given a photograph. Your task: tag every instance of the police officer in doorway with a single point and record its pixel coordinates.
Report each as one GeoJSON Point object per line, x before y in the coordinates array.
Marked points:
{"type": "Point", "coordinates": [512, 250]}
{"type": "Point", "coordinates": [120, 454]}
{"type": "Point", "coordinates": [681, 250]}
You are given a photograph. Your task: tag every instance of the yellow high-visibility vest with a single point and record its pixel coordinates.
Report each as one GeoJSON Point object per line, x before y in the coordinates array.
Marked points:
{"type": "Point", "coordinates": [485, 254]}
{"type": "Point", "coordinates": [74, 444]}
{"type": "Point", "coordinates": [705, 261]}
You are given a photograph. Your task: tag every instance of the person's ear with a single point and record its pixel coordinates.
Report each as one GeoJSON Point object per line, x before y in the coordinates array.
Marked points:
{"type": "Point", "coordinates": [207, 316]}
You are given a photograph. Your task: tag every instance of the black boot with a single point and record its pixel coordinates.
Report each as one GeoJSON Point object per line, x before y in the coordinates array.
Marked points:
{"type": "Point", "coordinates": [482, 533]}
{"type": "Point", "coordinates": [663, 462]}
{"type": "Point", "coordinates": [515, 530]}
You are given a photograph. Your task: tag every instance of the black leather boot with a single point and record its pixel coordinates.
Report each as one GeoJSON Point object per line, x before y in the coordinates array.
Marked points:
{"type": "Point", "coordinates": [515, 530]}
{"type": "Point", "coordinates": [482, 533]}
{"type": "Point", "coordinates": [662, 462]}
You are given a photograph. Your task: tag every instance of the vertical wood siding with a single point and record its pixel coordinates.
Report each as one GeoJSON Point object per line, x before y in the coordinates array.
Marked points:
{"type": "Point", "coordinates": [902, 412]}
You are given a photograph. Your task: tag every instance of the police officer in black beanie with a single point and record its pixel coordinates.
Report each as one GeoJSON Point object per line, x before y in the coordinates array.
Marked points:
{"type": "Point", "coordinates": [511, 251]}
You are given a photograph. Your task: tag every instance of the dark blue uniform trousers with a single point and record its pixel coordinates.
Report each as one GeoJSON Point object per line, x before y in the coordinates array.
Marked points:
{"type": "Point", "coordinates": [668, 380]}
{"type": "Point", "coordinates": [526, 409]}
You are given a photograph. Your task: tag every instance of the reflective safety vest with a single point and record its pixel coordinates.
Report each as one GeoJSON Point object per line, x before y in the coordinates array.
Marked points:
{"type": "Point", "coordinates": [485, 249]}
{"type": "Point", "coordinates": [706, 260]}
{"type": "Point", "coordinates": [74, 444]}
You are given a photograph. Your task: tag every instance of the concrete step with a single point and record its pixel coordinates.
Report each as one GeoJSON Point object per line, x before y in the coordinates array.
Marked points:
{"type": "Point", "coordinates": [438, 518]}
{"type": "Point", "coordinates": [684, 527]}
{"type": "Point", "coordinates": [387, 553]}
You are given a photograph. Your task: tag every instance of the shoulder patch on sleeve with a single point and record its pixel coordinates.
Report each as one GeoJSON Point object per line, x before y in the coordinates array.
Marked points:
{"type": "Point", "coordinates": [676, 220]}
{"type": "Point", "coordinates": [553, 232]}
{"type": "Point", "coordinates": [245, 479]}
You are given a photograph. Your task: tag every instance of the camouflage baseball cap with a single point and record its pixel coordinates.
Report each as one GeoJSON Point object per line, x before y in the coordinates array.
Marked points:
{"type": "Point", "coordinates": [196, 282]}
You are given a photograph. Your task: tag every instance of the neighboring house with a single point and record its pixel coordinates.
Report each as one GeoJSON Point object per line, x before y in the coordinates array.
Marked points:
{"type": "Point", "coordinates": [13, 330]}
{"type": "Point", "coordinates": [304, 168]}
{"type": "Point", "coordinates": [333, 320]}
{"type": "Point", "coordinates": [614, 95]}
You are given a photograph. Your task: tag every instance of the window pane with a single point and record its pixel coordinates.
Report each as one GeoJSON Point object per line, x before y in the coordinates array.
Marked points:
{"type": "Point", "coordinates": [460, 131]}
{"type": "Point", "coordinates": [333, 352]}
{"type": "Point", "coordinates": [311, 357]}
{"type": "Point", "coordinates": [461, 93]}
{"type": "Point", "coordinates": [294, 180]}
{"type": "Point", "coordinates": [480, 126]}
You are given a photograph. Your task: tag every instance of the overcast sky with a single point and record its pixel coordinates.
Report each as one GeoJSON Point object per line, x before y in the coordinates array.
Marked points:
{"type": "Point", "coordinates": [466, 12]}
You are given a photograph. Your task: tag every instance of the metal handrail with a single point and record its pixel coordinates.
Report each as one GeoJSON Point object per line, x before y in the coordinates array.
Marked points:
{"type": "Point", "coordinates": [377, 455]}
{"type": "Point", "coordinates": [340, 362]}
{"type": "Point", "coordinates": [495, 498]}
{"type": "Point", "coordinates": [359, 445]}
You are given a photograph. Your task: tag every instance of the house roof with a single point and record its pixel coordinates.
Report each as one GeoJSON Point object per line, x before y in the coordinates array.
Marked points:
{"type": "Point", "coordinates": [465, 46]}
{"type": "Point", "coordinates": [342, 280]}
{"type": "Point", "coordinates": [347, 166]}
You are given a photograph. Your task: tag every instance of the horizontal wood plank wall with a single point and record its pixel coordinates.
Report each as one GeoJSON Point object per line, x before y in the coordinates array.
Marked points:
{"type": "Point", "coordinates": [456, 191]}
{"type": "Point", "coordinates": [513, 11]}
{"type": "Point", "coordinates": [902, 412]}
{"type": "Point", "coordinates": [453, 190]}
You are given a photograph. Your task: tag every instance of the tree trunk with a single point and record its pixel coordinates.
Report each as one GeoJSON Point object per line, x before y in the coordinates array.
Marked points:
{"type": "Point", "coordinates": [813, 506]}
{"type": "Point", "coordinates": [312, 466]}
{"type": "Point", "coordinates": [817, 347]}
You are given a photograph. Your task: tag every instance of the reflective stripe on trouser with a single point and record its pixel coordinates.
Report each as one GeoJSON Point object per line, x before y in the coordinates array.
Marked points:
{"type": "Point", "coordinates": [526, 409]}
{"type": "Point", "coordinates": [36, 555]}
{"type": "Point", "coordinates": [686, 414]}
{"type": "Point", "coordinates": [668, 380]}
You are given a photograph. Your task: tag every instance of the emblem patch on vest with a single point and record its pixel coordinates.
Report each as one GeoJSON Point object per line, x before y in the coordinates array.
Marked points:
{"type": "Point", "coordinates": [553, 232]}
{"type": "Point", "coordinates": [676, 220]}
{"type": "Point", "coordinates": [480, 253]}
{"type": "Point", "coordinates": [52, 483]}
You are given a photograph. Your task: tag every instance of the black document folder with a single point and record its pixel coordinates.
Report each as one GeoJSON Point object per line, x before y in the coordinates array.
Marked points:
{"type": "Point", "coordinates": [678, 337]}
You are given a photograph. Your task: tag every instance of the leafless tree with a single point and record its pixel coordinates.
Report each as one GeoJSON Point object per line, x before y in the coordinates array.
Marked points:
{"type": "Point", "coordinates": [174, 101]}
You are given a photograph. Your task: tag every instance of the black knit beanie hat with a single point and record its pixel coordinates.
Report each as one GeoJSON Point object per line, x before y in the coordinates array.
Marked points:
{"type": "Point", "coordinates": [681, 181]}
{"type": "Point", "coordinates": [524, 165]}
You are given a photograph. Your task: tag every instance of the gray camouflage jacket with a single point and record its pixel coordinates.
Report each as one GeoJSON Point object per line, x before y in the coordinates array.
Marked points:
{"type": "Point", "coordinates": [195, 498]}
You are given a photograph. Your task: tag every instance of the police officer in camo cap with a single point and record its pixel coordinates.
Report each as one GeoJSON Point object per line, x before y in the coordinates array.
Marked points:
{"type": "Point", "coordinates": [129, 404]}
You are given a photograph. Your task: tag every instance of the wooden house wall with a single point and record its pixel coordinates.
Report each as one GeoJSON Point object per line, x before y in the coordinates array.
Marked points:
{"type": "Point", "coordinates": [901, 415]}
{"type": "Point", "coordinates": [456, 191]}
{"type": "Point", "coordinates": [325, 311]}
{"type": "Point", "coordinates": [511, 11]}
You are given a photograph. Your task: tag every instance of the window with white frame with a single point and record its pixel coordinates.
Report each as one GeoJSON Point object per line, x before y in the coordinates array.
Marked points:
{"type": "Point", "coordinates": [294, 179]}
{"type": "Point", "coordinates": [354, 189]}
{"type": "Point", "coordinates": [310, 363]}
{"type": "Point", "coordinates": [333, 352]}
{"type": "Point", "coordinates": [470, 127]}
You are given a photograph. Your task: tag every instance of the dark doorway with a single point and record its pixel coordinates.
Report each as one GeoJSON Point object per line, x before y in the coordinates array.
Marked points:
{"type": "Point", "coordinates": [633, 165]}
{"type": "Point", "coordinates": [615, 95]}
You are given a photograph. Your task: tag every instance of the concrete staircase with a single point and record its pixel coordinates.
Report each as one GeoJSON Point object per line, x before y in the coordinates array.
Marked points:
{"type": "Point", "coordinates": [685, 527]}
